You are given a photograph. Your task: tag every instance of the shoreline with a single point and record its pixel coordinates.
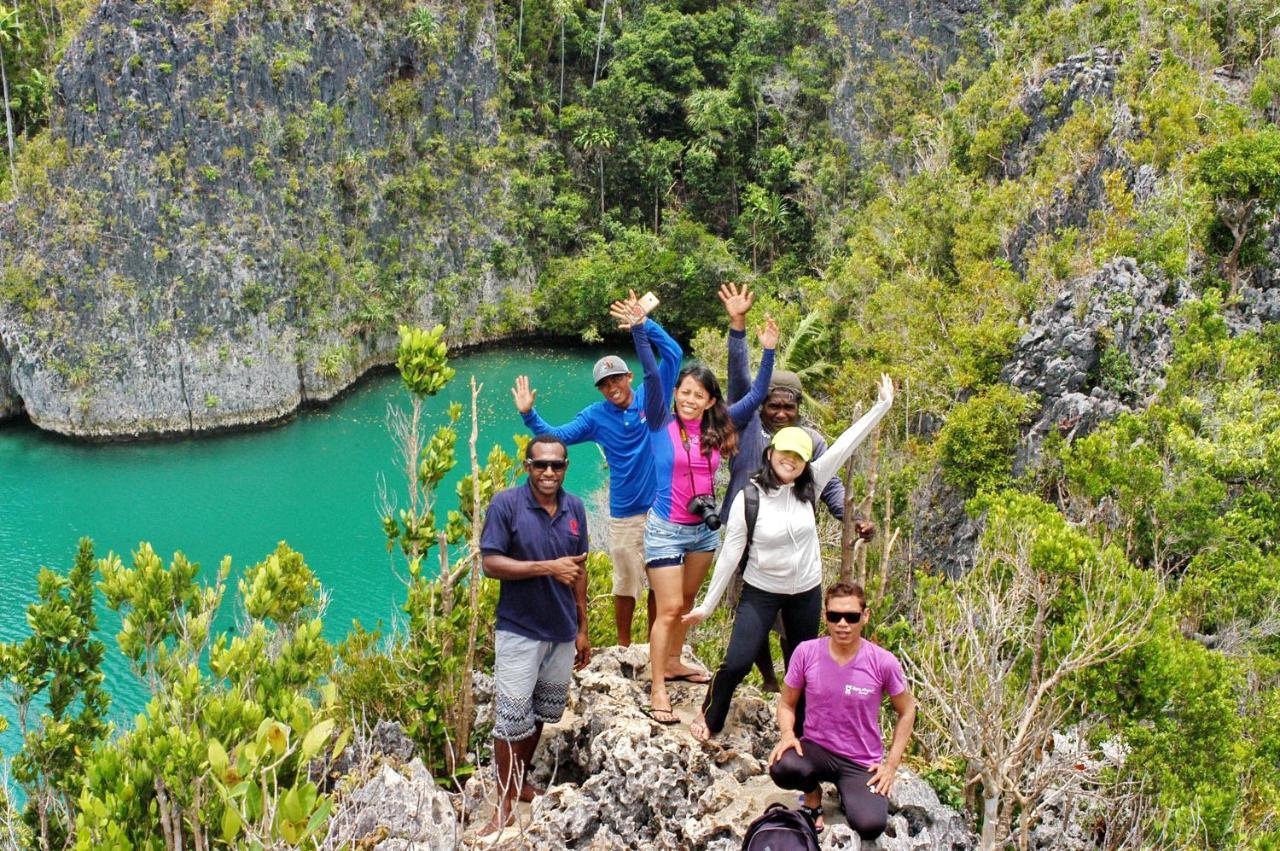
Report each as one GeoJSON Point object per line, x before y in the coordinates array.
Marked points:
{"type": "Point", "coordinates": [374, 368]}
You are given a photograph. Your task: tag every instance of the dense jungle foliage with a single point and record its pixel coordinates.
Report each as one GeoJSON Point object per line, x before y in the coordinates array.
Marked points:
{"type": "Point", "coordinates": [1126, 582]}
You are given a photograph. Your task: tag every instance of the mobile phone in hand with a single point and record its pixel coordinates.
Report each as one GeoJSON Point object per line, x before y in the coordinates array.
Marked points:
{"type": "Point", "coordinates": [648, 302]}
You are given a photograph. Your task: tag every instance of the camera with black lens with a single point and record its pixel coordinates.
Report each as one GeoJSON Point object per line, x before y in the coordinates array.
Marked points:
{"type": "Point", "coordinates": [704, 505]}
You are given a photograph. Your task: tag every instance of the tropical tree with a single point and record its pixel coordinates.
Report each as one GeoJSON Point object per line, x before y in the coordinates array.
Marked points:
{"type": "Point", "coordinates": [562, 9]}
{"type": "Point", "coordinates": [595, 73]}
{"type": "Point", "coordinates": [11, 31]}
{"type": "Point", "coordinates": [59, 663]}
{"type": "Point", "coordinates": [766, 214]}
{"type": "Point", "coordinates": [1243, 175]}
{"type": "Point", "coordinates": [1000, 649]}
{"type": "Point", "coordinates": [435, 657]}
{"type": "Point", "coordinates": [597, 138]}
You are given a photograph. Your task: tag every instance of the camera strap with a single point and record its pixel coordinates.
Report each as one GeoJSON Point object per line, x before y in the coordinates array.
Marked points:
{"type": "Point", "coordinates": [688, 456]}
{"type": "Point", "coordinates": [751, 510]}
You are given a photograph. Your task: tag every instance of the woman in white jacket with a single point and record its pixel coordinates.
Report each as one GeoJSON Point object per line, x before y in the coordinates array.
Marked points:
{"type": "Point", "coordinates": [784, 567]}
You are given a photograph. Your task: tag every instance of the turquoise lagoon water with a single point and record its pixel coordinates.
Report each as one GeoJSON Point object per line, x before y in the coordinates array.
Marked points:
{"type": "Point", "coordinates": [312, 481]}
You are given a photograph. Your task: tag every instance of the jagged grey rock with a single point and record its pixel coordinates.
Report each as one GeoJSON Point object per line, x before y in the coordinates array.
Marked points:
{"type": "Point", "coordinates": [909, 36]}
{"type": "Point", "coordinates": [396, 812]}
{"type": "Point", "coordinates": [1260, 290]}
{"type": "Point", "coordinates": [10, 401]}
{"type": "Point", "coordinates": [1050, 100]}
{"type": "Point", "coordinates": [1086, 78]}
{"type": "Point", "coordinates": [945, 536]}
{"type": "Point", "coordinates": [1100, 349]}
{"type": "Point", "coordinates": [244, 210]}
{"type": "Point", "coordinates": [617, 779]}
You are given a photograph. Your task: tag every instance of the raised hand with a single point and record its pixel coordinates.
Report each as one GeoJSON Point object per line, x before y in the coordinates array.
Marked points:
{"type": "Point", "coordinates": [627, 311]}
{"type": "Point", "coordinates": [769, 334]}
{"type": "Point", "coordinates": [523, 394]}
{"type": "Point", "coordinates": [737, 301]}
{"type": "Point", "coordinates": [886, 388]}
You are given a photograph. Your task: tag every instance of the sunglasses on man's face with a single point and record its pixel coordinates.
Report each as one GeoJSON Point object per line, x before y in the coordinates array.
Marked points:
{"type": "Point", "coordinates": [542, 464]}
{"type": "Point", "coordinates": [836, 617]}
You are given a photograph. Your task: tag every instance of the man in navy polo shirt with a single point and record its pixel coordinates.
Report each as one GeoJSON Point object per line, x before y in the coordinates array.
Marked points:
{"type": "Point", "coordinates": [535, 542]}
{"type": "Point", "coordinates": [617, 424]}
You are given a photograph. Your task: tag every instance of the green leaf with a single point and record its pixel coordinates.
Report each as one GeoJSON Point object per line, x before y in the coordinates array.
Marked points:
{"type": "Point", "coordinates": [320, 816]}
{"type": "Point", "coordinates": [217, 758]}
{"type": "Point", "coordinates": [291, 808]}
{"type": "Point", "coordinates": [341, 745]}
{"type": "Point", "coordinates": [231, 824]}
{"type": "Point", "coordinates": [315, 738]}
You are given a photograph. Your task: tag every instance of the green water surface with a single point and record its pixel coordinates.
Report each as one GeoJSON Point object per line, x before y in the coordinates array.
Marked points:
{"type": "Point", "coordinates": [312, 481]}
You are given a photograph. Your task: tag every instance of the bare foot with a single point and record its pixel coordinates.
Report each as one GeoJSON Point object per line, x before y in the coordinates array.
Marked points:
{"type": "Point", "coordinates": [678, 671]}
{"type": "Point", "coordinates": [699, 730]}
{"type": "Point", "coordinates": [528, 792]}
{"type": "Point", "coordinates": [496, 824]}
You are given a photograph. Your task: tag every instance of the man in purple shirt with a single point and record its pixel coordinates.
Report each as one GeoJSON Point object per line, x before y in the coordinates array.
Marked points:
{"type": "Point", "coordinates": [535, 542]}
{"type": "Point", "coordinates": [843, 677]}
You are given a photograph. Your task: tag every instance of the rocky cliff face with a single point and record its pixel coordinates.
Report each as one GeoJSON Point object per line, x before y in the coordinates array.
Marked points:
{"type": "Point", "coordinates": [10, 401]}
{"type": "Point", "coordinates": [1100, 349]}
{"type": "Point", "coordinates": [907, 41]}
{"type": "Point", "coordinates": [232, 214]}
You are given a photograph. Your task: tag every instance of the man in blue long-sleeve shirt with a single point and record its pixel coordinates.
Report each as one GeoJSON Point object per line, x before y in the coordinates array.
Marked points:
{"type": "Point", "coordinates": [617, 423]}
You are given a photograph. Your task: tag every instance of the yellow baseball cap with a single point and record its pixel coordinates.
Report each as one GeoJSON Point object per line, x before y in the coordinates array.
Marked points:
{"type": "Point", "coordinates": [793, 439]}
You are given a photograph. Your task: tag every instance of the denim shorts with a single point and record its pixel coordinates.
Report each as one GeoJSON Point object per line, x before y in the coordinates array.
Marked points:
{"type": "Point", "coordinates": [667, 543]}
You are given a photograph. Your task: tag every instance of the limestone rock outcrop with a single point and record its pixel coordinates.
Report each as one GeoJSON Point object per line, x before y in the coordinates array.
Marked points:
{"type": "Point", "coordinates": [233, 211]}
{"type": "Point", "coordinates": [910, 39]}
{"type": "Point", "coordinates": [616, 779]}
{"type": "Point", "coordinates": [10, 401]}
{"type": "Point", "coordinates": [1080, 81]}
{"type": "Point", "coordinates": [398, 811]}
{"type": "Point", "coordinates": [1100, 349]}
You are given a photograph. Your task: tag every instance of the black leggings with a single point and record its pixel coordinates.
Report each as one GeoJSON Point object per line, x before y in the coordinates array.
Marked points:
{"type": "Point", "coordinates": [756, 611]}
{"type": "Point", "coordinates": [867, 812]}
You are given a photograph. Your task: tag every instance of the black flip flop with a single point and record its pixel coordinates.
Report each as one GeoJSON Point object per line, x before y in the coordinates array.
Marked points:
{"type": "Point", "coordinates": [654, 712]}
{"type": "Point", "coordinates": [694, 677]}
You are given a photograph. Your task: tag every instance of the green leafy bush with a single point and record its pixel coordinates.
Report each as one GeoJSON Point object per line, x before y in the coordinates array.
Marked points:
{"type": "Point", "coordinates": [976, 446]}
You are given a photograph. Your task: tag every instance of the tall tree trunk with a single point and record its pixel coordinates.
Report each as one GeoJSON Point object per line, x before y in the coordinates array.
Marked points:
{"type": "Point", "coordinates": [595, 75]}
{"type": "Point", "coordinates": [560, 106]}
{"type": "Point", "coordinates": [8, 122]}
{"type": "Point", "coordinates": [468, 698]}
{"type": "Point", "coordinates": [990, 818]}
{"type": "Point", "coordinates": [520, 30]}
{"type": "Point", "coordinates": [1239, 230]}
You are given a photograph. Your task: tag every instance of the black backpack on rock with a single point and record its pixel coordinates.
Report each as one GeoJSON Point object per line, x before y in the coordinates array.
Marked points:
{"type": "Point", "coordinates": [780, 829]}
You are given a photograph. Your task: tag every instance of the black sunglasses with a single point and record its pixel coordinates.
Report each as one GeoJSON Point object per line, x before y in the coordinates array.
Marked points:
{"type": "Point", "coordinates": [836, 617]}
{"type": "Point", "coordinates": [542, 464]}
